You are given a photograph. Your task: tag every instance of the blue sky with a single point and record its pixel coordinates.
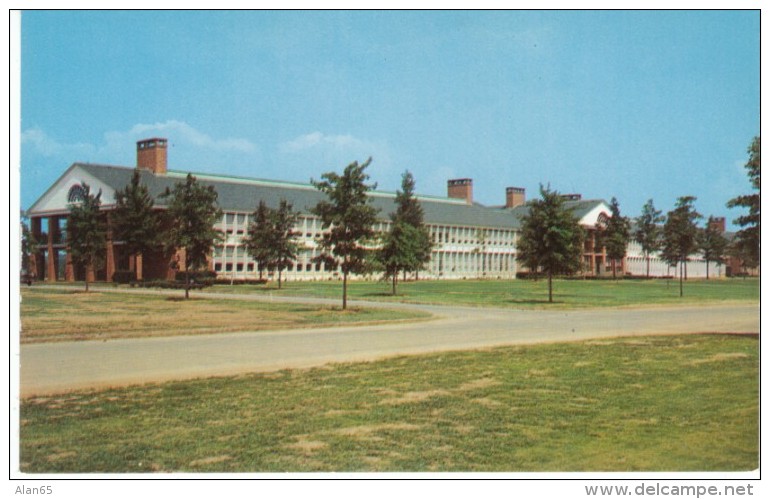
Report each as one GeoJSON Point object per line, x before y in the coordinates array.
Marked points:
{"type": "Point", "coordinates": [631, 104]}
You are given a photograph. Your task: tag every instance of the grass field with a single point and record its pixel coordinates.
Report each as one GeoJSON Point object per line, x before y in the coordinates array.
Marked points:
{"type": "Point", "coordinates": [60, 314]}
{"type": "Point", "coordinates": [677, 403]}
{"type": "Point", "coordinates": [525, 293]}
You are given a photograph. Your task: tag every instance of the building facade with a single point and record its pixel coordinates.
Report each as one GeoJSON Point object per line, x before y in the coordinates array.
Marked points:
{"type": "Point", "coordinates": [471, 240]}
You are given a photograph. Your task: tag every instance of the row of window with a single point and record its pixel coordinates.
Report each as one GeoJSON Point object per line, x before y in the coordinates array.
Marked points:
{"type": "Point", "coordinates": [237, 223]}
{"type": "Point", "coordinates": [253, 267]}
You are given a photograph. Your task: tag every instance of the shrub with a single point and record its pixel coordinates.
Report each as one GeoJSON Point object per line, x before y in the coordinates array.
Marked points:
{"type": "Point", "coordinates": [204, 277]}
{"type": "Point", "coordinates": [124, 276]}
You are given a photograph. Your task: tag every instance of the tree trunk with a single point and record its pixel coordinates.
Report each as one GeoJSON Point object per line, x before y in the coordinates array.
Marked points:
{"type": "Point", "coordinates": [681, 279]}
{"type": "Point", "coordinates": [614, 272]}
{"type": "Point", "coordinates": [187, 283]}
{"type": "Point", "coordinates": [344, 290]}
{"type": "Point", "coordinates": [550, 287]}
{"type": "Point", "coordinates": [707, 270]}
{"type": "Point", "coordinates": [279, 278]}
{"type": "Point", "coordinates": [395, 278]}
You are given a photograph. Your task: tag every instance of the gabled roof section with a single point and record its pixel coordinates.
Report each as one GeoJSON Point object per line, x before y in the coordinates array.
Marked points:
{"type": "Point", "coordinates": [243, 194]}
{"type": "Point", "coordinates": [585, 210]}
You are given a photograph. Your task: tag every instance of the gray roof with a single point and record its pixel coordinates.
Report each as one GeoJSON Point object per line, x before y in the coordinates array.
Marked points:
{"type": "Point", "coordinates": [243, 195]}
{"type": "Point", "coordinates": [579, 208]}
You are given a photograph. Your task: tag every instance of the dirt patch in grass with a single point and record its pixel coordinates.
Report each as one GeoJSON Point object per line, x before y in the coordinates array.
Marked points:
{"type": "Point", "coordinates": [368, 430]}
{"type": "Point", "coordinates": [307, 447]}
{"type": "Point", "coordinates": [478, 384]}
{"type": "Point", "coordinates": [415, 397]}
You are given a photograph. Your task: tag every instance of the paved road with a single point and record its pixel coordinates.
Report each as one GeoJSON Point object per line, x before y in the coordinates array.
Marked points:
{"type": "Point", "coordinates": [58, 367]}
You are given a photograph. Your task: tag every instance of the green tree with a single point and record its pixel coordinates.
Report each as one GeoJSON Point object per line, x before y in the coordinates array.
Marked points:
{"type": "Point", "coordinates": [258, 240]}
{"type": "Point", "coordinates": [680, 236]}
{"type": "Point", "coordinates": [614, 235]}
{"type": "Point", "coordinates": [748, 238]}
{"type": "Point", "coordinates": [284, 246]}
{"type": "Point", "coordinates": [551, 238]}
{"type": "Point", "coordinates": [29, 249]}
{"type": "Point", "coordinates": [191, 214]}
{"type": "Point", "coordinates": [407, 246]}
{"type": "Point", "coordinates": [399, 251]}
{"type": "Point", "coordinates": [349, 217]}
{"type": "Point", "coordinates": [135, 220]}
{"type": "Point", "coordinates": [648, 231]}
{"type": "Point", "coordinates": [738, 250]}
{"type": "Point", "coordinates": [410, 211]}
{"type": "Point", "coordinates": [86, 232]}
{"type": "Point", "coordinates": [713, 244]}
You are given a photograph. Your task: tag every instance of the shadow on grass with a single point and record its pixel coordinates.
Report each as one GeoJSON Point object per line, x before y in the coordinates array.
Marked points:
{"type": "Point", "coordinates": [535, 302]}
{"type": "Point", "coordinates": [383, 294]}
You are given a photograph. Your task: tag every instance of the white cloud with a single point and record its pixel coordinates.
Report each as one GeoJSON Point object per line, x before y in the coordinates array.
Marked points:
{"type": "Point", "coordinates": [180, 133]}
{"type": "Point", "coordinates": [310, 154]}
{"type": "Point", "coordinates": [49, 147]}
{"type": "Point", "coordinates": [195, 149]}
{"type": "Point", "coordinates": [318, 139]}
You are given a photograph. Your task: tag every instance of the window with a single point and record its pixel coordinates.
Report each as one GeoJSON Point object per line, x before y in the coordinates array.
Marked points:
{"type": "Point", "coordinates": [239, 267]}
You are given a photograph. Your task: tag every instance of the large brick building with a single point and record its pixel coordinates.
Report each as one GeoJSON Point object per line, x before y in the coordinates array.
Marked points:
{"type": "Point", "coordinates": [472, 240]}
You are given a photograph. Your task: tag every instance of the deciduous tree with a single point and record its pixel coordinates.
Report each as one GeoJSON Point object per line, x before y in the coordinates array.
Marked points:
{"type": "Point", "coordinates": [648, 231]}
{"type": "Point", "coordinates": [348, 217]}
{"type": "Point", "coordinates": [713, 244]}
{"type": "Point", "coordinates": [259, 238]}
{"type": "Point", "coordinates": [614, 236]}
{"type": "Point", "coordinates": [191, 214]}
{"type": "Point", "coordinates": [135, 220]}
{"type": "Point", "coordinates": [86, 232]}
{"type": "Point", "coordinates": [551, 238]}
{"type": "Point", "coordinates": [284, 247]}
{"type": "Point", "coordinates": [680, 236]}
{"type": "Point", "coordinates": [29, 249]}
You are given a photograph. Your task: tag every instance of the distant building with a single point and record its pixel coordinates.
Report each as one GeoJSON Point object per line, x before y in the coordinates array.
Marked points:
{"type": "Point", "coordinates": [471, 240]}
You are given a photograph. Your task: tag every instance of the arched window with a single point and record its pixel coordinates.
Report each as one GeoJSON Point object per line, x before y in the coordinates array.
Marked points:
{"type": "Point", "coordinates": [76, 194]}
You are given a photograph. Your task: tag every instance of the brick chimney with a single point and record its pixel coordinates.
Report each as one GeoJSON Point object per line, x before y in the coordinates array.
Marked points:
{"type": "Point", "coordinates": [719, 223]}
{"type": "Point", "coordinates": [461, 188]}
{"type": "Point", "coordinates": [151, 155]}
{"type": "Point", "coordinates": [515, 196]}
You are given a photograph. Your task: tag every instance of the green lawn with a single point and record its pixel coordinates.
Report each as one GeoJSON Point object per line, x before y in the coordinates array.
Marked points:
{"type": "Point", "coordinates": [524, 293]}
{"type": "Point", "coordinates": [673, 403]}
{"type": "Point", "coordinates": [62, 314]}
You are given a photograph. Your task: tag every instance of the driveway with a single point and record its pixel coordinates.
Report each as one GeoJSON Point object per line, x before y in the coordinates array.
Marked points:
{"type": "Point", "coordinates": [49, 368]}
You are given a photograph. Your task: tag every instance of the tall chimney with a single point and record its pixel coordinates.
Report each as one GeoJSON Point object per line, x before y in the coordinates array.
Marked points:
{"type": "Point", "coordinates": [461, 188]}
{"type": "Point", "coordinates": [515, 196]}
{"type": "Point", "coordinates": [151, 155]}
{"type": "Point", "coordinates": [719, 223]}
